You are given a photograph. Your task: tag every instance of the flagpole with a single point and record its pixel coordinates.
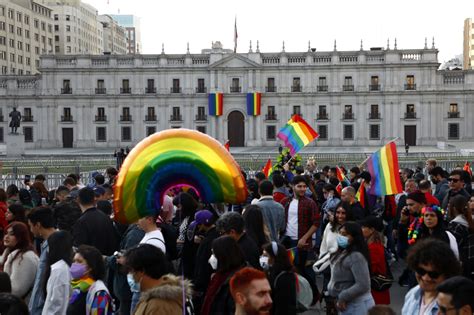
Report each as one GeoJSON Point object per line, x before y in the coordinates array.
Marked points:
{"type": "Point", "coordinates": [362, 164]}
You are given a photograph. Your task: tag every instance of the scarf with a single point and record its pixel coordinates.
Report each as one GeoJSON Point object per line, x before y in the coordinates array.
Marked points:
{"type": "Point", "coordinates": [79, 286]}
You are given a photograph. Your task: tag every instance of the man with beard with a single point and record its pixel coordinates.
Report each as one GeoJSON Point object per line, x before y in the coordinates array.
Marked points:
{"type": "Point", "coordinates": [251, 292]}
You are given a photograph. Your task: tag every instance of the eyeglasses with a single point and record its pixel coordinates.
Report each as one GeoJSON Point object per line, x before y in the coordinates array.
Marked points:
{"type": "Point", "coordinates": [443, 310]}
{"type": "Point", "coordinates": [454, 180]}
{"type": "Point", "coordinates": [431, 274]}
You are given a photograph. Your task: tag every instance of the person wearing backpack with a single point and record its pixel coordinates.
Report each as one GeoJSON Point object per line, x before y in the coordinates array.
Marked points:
{"type": "Point", "coordinates": [372, 228]}
{"type": "Point", "coordinates": [350, 277]}
{"type": "Point", "coordinates": [282, 277]}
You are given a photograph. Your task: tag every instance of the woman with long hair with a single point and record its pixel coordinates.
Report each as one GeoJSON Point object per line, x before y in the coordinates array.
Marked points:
{"type": "Point", "coordinates": [350, 277]}
{"type": "Point", "coordinates": [19, 260]}
{"type": "Point", "coordinates": [462, 227]}
{"type": "Point", "coordinates": [12, 194]}
{"type": "Point", "coordinates": [282, 277]}
{"type": "Point", "coordinates": [57, 277]}
{"type": "Point", "coordinates": [254, 226]}
{"type": "Point", "coordinates": [431, 224]}
{"type": "Point", "coordinates": [226, 259]}
{"type": "Point", "coordinates": [372, 228]}
{"type": "Point", "coordinates": [16, 213]}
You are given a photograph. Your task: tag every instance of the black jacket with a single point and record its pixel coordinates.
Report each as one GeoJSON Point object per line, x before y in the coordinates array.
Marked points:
{"type": "Point", "coordinates": [202, 269]}
{"type": "Point", "coordinates": [96, 229]}
{"type": "Point", "coordinates": [284, 293]}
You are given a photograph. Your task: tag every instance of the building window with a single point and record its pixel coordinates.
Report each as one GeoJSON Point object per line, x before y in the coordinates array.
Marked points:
{"type": "Point", "coordinates": [150, 130]}
{"type": "Point", "coordinates": [271, 132]}
{"type": "Point", "coordinates": [271, 85]}
{"type": "Point", "coordinates": [348, 132]}
{"type": "Point", "coordinates": [453, 131]}
{"type": "Point", "coordinates": [374, 132]}
{"type": "Point", "coordinates": [453, 110]}
{"type": "Point", "coordinates": [68, 18]}
{"type": "Point", "coordinates": [66, 87]}
{"type": "Point", "coordinates": [68, 28]}
{"type": "Point", "coordinates": [410, 113]}
{"type": "Point", "coordinates": [201, 129]}
{"type": "Point", "coordinates": [322, 112]}
{"type": "Point", "coordinates": [322, 84]}
{"type": "Point", "coordinates": [150, 86]}
{"type": "Point", "coordinates": [150, 114]}
{"type": "Point", "coordinates": [126, 134]}
{"type": "Point", "coordinates": [28, 132]}
{"type": "Point", "coordinates": [374, 83]}
{"type": "Point", "coordinates": [125, 89]}
{"type": "Point", "coordinates": [56, 17]}
{"type": "Point", "coordinates": [2, 139]}
{"type": "Point", "coordinates": [66, 114]}
{"type": "Point", "coordinates": [201, 114]}
{"type": "Point", "coordinates": [348, 114]}
{"type": "Point", "coordinates": [101, 134]}
{"type": "Point", "coordinates": [176, 115]}
{"type": "Point", "coordinates": [201, 88]}
{"type": "Point", "coordinates": [101, 114]}
{"type": "Point", "coordinates": [297, 110]}
{"type": "Point", "coordinates": [176, 88]}
{"type": "Point", "coordinates": [271, 114]}
{"type": "Point", "coordinates": [323, 132]}
{"type": "Point", "coordinates": [374, 112]}
{"type": "Point", "coordinates": [296, 87]}
{"type": "Point", "coordinates": [27, 114]}
{"type": "Point", "coordinates": [235, 87]}
{"type": "Point", "coordinates": [126, 114]}
{"type": "Point", "coordinates": [410, 83]}
{"type": "Point", "coordinates": [348, 85]}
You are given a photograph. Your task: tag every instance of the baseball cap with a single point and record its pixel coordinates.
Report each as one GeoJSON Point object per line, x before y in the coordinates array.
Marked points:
{"type": "Point", "coordinates": [98, 191]}
{"type": "Point", "coordinates": [202, 217]}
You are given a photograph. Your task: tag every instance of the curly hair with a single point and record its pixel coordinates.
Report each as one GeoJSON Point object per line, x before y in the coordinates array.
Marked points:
{"type": "Point", "coordinates": [434, 252]}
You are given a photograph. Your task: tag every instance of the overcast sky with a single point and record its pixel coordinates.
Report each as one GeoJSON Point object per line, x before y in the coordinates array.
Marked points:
{"type": "Point", "coordinates": [175, 23]}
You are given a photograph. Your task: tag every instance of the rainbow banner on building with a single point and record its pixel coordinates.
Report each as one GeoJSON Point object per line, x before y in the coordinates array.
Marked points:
{"type": "Point", "coordinates": [297, 134]}
{"type": "Point", "coordinates": [383, 167]}
{"type": "Point", "coordinates": [254, 104]}
{"type": "Point", "coordinates": [216, 104]}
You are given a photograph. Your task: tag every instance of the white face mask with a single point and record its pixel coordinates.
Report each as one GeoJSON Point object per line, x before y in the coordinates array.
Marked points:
{"type": "Point", "coordinates": [213, 262]}
{"type": "Point", "coordinates": [264, 262]}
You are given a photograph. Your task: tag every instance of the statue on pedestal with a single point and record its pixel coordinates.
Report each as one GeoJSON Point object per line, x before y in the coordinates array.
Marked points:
{"type": "Point", "coordinates": [15, 122]}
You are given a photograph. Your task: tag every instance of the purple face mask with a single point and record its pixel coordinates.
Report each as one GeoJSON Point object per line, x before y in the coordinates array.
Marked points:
{"type": "Point", "coordinates": [77, 270]}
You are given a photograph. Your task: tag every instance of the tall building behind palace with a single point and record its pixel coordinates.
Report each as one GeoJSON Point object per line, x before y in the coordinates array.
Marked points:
{"type": "Point", "coordinates": [131, 24]}
{"type": "Point", "coordinates": [352, 98]}
{"type": "Point", "coordinates": [468, 44]}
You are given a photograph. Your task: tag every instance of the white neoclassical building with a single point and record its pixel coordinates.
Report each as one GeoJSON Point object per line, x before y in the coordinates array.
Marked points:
{"type": "Point", "coordinates": [352, 98]}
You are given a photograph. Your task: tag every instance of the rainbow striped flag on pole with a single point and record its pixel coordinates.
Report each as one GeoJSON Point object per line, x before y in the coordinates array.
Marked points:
{"type": "Point", "coordinates": [216, 104]}
{"type": "Point", "coordinates": [297, 134]}
{"type": "Point", "coordinates": [341, 177]}
{"type": "Point", "coordinates": [383, 167]}
{"type": "Point", "coordinates": [254, 103]}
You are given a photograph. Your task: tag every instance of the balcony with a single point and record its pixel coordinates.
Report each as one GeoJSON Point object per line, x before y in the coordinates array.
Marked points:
{"type": "Point", "coordinates": [322, 116]}
{"type": "Point", "coordinates": [67, 118]}
{"type": "Point", "coordinates": [27, 118]}
{"type": "Point", "coordinates": [150, 117]}
{"type": "Point", "coordinates": [176, 117]}
{"type": "Point", "coordinates": [201, 89]}
{"type": "Point", "coordinates": [270, 89]}
{"type": "Point", "coordinates": [374, 115]}
{"type": "Point", "coordinates": [296, 88]}
{"type": "Point", "coordinates": [322, 88]}
{"type": "Point", "coordinates": [175, 89]}
{"type": "Point", "coordinates": [453, 114]}
{"type": "Point", "coordinates": [125, 90]}
{"type": "Point", "coordinates": [125, 117]}
{"type": "Point", "coordinates": [410, 87]}
{"type": "Point", "coordinates": [201, 117]}
{"type": "Point", "coordinates": [348, 88]}
{"type": "Point", "coordinates": [150, 90]}
{"type": "Point", "coordinates": [410, 115]}
{"type": "Point", "coordinates": [235, 89]}
{"type": "Point", "coordinates": [374, 87]}
{"type": "Point", "coordinates": [100, 91]}
{"type": "Point", "coordinates": [348, 116]}
{"type": "Point", "coordinates": [66, 91]}
{"type": "Point", "coordinates": [270, 116]}
{"type": "Point", "coordinates": [100, 117]}
{"type": "Point", "coordinates": [1, 118]}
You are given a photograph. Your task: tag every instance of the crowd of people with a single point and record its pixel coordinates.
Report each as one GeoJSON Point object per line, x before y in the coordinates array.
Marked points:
{"type": "Point", "coordinates": [62, 252]}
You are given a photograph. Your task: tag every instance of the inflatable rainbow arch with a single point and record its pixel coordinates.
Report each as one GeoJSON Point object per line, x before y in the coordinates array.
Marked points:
{"type": "Point", "coordinates": [171, 158]}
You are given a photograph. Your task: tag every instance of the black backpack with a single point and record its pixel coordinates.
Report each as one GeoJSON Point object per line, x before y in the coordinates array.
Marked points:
{"type": "Point", "coordinates": [170, 234]}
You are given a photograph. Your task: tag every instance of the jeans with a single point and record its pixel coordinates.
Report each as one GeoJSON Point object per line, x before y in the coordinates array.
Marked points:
{"type": "Point", "coordinates": [361, 307]}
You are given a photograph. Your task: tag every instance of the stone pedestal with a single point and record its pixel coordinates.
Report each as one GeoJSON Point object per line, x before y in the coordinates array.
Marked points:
{"type": "Point", "coordinates": [15, 144]}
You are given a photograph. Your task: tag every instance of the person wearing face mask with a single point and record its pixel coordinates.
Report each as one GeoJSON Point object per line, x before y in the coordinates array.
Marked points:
{"type": "Point", "coordinates": [161, 292]}
{"type": "Point", "coordinates": [350, 277]}
{"type": "Point", "coordinates": [372, 228]}
{"type": "Point", "coordinates": [89, 293]}
{"type": "Point", "coordinates": [226, 259]}
{"type": "Point", "coordinates": [282, 277]}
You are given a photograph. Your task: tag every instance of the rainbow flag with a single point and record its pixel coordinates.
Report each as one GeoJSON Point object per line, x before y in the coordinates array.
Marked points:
{"type": "Point", "coordinates": [467, 168]}
{"type": "Point", "coordinates": [267, 170]}
{"type": "Point", "coordinates": [383, 167]}
{"type": "Point", "coordinates": [216, 104]}
{"type": "Point", "coordinates": [292, 255]}
{"type": "Point", "coordinates": [254, 103]}
{"type": "Point", "coordinates": [341, 177]}
{"type": "Point", "coordinates": [360, 195]}
{"type": "Point", "coordinates": [296, 134]}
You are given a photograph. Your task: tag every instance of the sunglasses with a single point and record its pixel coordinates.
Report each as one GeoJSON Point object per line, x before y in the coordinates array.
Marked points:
{"type": "Point", "coordinates": [454, 180]}
{"type": "Point", "coordinates": [431, 274]}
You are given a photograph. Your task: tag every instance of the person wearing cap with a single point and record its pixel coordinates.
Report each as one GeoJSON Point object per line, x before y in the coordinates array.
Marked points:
{"type": "Point", "coordinates": [372, 228]}
{"type": "Point", "coordinates": [204, 224]}
{"type": "Point", "coordinates": [99, 193]}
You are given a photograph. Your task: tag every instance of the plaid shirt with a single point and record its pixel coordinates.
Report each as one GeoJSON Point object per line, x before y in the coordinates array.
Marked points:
{"type": "Point", "coordinates": [308, 214]}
